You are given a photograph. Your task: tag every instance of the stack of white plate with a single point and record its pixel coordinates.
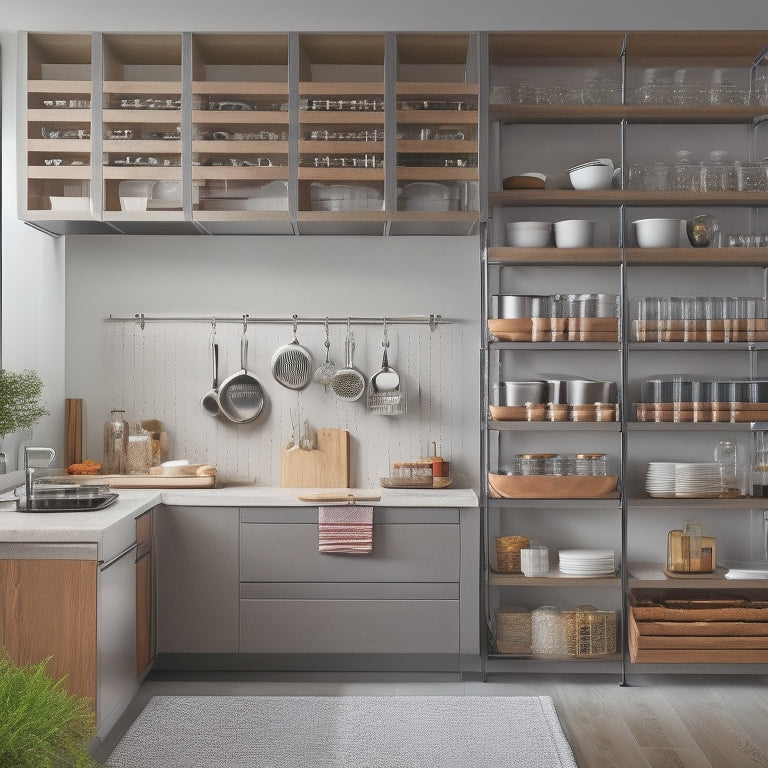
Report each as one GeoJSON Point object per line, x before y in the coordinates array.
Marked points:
{"type": "Point", "coordinates": [587, 562]}
{"type": "Point", "coordinates": [698, 480]}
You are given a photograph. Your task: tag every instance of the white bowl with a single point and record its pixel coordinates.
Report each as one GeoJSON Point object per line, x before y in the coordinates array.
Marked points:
{"type": "Point", "coordinates": [133, 203]}
{"type": "Point", "coordinates": [592, 177]}
{"type": "Point", "coordinates": [574, 233]}
{"type": "Point", "coordinates": [532, 234]}
{"type": "Point", "coordinates": [658, 233]}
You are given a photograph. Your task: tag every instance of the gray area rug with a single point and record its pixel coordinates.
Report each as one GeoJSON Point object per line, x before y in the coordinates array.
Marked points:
{"type": "Point", "coordinates": [345, 732]}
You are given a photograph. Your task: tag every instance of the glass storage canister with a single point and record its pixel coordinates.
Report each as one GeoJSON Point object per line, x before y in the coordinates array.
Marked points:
{"type": "Point", "coordinates": [508, 552]}
{"type": "Point", "coordinates": [138, 456]}
{"type": "Point", "coordinates": [589, 631]}
{"type": "Point", "coordinates": [548, 631]}
{"type": "Point", "coordinates": [115, 443]}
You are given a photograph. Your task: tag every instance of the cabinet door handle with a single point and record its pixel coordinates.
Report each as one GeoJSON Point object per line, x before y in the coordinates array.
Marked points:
{"type": "Point", "coordinates": [103, 567]}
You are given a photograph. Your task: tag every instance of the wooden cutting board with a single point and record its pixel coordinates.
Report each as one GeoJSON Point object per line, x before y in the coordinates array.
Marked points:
{"type": "Point", "coordinates": [147, 481]}
{"type": "Point", "coordinates": [327, 466]}
{"type": "Point", "coordinates": [73, 418]}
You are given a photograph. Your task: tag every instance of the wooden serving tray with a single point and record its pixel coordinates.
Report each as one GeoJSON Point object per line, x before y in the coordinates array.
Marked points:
{"type": "Point", "coordinates": [552, 486]}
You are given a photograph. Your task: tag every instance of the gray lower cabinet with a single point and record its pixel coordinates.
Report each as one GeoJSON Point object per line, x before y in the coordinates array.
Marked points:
{"type": "Point", "coordinates": [403, 598]}
{"type": "Point", "coordinates": [197, 599]}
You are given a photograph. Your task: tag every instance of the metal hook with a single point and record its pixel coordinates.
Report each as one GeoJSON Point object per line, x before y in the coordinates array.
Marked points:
{"type": "Point", "coordinates": [245, 324]}
{"type": "Point", "coordinates": [385, 343]}
{"type": "Point", "coordinates": [140, 319]}
{"type": "Point", "coordinates": [295, 325]}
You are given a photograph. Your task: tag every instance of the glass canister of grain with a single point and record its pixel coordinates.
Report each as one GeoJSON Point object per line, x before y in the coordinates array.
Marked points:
{"type": "Point", "coordinates": [115, 443]}
{"type": "Point", "coordinates": [690, 552]}
{"type": "Point", "coordinates": [138, 457]}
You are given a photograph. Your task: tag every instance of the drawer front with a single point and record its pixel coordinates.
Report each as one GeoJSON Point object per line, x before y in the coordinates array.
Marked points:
{"type": "Point", "coordinates": [288, 552]}
{"type": "Point", "coordinates": [349, 626]}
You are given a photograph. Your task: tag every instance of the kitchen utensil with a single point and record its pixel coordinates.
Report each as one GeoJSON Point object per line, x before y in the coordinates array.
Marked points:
{"type": "Point", "coordinates": [701, 230]}
{"type": "Point", "coordinates": [348, 383]}
{"type": "Point", "coordinates": [241, 396]}
{"type": "Point", "coordinates": [324, 374]}
{"type": "Point", "coordinates": [210, 400]}
{"type": "Point", "coordinates": [292, 363]}
{"type": "Point", "coordinates": [385, 394]}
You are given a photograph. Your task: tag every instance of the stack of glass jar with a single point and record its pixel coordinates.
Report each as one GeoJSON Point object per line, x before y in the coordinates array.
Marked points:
{"type": "Point", "coordinates": [686, 88]}
{"type": "Point", "coordinates": [686, 397]}
{"type": "Point", "coordinates": [596, 87]}
{"type": "Point", "coordinates": [526, 464]}
{"type": "Point", "coordinates": [699, 318]}
{"type": "Point", "coordinates": [686, 173]}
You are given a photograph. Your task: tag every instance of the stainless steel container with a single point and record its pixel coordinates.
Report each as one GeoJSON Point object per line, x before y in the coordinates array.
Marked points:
{"type": "Point", "coordinates": [587, 392]}
{"type": "Point", "coordinates": [516, 393]}
{"type": "Point", "coordinates": [507, 306]}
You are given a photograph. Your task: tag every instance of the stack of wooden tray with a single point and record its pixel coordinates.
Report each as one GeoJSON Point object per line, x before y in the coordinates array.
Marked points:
{"type": "Point", "coordinates": [728, 630]}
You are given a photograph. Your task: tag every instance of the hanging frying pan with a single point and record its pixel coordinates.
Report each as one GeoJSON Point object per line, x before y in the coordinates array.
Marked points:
{"type": "Point", "coordinates": [241, 396]}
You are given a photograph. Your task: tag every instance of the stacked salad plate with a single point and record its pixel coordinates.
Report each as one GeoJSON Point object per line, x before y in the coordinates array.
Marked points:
{"type": "Point", "coordinates": [587, 562]}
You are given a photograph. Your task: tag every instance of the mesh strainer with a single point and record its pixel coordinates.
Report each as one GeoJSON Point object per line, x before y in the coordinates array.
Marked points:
{"type": "Point", "coordinates": [324, 374]}
{"type": "Point", "coordinates": [348, 383]}
{"type": "Point", "coordinates": [292, 363]}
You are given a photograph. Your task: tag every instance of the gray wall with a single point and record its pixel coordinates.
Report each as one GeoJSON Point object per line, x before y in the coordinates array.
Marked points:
{"type": "Point", "coordinates": [34, 331]}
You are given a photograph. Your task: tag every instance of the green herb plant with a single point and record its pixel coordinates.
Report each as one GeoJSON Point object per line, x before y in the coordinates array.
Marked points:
{"type": "Point", "coordinates": [41, 725]}
{"type": "Point", "coordinates": [21, 405]}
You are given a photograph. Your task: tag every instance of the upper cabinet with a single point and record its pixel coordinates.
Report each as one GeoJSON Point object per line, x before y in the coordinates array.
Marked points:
{"type": "Point", "coordinates": [56, 144]}
{"type": "Point", "coordinates": [141, 133]}
{"type": "Point", "coordinates": [341, 125]}
{"type": "Point", "coordinates": [248, 133]}
{"type": "Point", "coordinates": [240, 133]}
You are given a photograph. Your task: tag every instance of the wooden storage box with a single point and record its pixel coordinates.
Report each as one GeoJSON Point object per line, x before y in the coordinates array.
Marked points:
{"type": "Point", "coordinates": [725, 629]}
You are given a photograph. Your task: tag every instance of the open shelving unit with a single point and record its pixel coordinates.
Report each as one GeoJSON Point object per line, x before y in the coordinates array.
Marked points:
{"type": "Point", "coordinates": [556, 136]}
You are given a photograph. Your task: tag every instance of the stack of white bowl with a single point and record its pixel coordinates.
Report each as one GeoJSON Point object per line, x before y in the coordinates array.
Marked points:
{"type": "Point", "coordinates": [594, 174]}
{"type": "Point", "coordinates": [528, 234]}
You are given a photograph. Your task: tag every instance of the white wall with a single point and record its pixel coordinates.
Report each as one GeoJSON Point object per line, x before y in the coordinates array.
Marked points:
{"type": "Point", "coordinates": [33, 331]}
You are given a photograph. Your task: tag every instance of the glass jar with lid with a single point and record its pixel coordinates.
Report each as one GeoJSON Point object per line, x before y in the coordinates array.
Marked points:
{"type": "Point", "coordinates": [115, 443]}
{"type": "Point", "coordinates": [592, 464]}
{"type": "Point", "coordinates": [532, 463]}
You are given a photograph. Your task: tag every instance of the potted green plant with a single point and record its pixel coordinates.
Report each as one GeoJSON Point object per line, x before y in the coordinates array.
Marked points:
{"type": "Point", "coordinates": [21, 405]}
{"type": "Point", "coordinates": [41, 725]}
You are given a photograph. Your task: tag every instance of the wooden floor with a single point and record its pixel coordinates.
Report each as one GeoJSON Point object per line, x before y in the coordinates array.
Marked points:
{"type": "Point", "coordinates": [674, 721]}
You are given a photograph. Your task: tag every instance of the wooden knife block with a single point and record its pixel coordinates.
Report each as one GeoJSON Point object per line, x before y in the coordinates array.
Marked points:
{"type": "Point", "coordinates": [327, 466]}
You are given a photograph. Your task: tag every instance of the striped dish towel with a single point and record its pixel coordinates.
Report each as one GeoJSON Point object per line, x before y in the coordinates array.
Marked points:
{"type": "Point", "coordinates": [347, 529]}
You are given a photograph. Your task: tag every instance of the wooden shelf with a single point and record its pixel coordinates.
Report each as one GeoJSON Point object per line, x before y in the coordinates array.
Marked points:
{"type": "Point", "coordinates": [747, 502]}
{"type": "Point", "coordinates": [554, 426]}
{"type": "Point", "coordinates": [437, 116]}
{"type": "Point", "coordinates": [452, 89]}
{"type": "Point", "coordinates": [616, 197]}
{"type": "Point", "coordinates": [360, 90]}
{"type": "Point", "coordinates": [238, 117]}
{"type": "Point", "coordinates": [700, 257]}
{"type": "Point", "coordinates": [552, 579]}
{"type": "Point", "coordinates": [238, 88]}
{"type": "Point", "coordinates": [555, 256]}
{"type": "Point", "coordinates": [615, 113]}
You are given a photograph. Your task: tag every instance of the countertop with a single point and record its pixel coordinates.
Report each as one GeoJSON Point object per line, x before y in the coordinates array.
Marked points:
{"type": "Point", "coordinates": [112, 529]}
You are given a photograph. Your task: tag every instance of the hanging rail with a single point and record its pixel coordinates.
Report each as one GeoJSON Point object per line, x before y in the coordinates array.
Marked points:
{"type": "Point", "coordinates": [141, 320]}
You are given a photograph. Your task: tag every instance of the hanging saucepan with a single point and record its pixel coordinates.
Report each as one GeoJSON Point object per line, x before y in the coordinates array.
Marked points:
{"type": "Point", "coordinates": [241, 396]}
{"type": "Point", "coordinates": [292, 363]}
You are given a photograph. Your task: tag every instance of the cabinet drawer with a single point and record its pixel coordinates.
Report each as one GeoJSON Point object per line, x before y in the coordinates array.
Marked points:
{"type": "Point", "coordinates": [349, 626]}
{"type": "Point", "coordinates": [288, 552]}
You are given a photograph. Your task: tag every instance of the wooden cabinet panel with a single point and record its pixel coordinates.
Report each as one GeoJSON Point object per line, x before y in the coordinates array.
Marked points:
{"type": "Point", "coordinates": [48, 608]}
